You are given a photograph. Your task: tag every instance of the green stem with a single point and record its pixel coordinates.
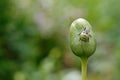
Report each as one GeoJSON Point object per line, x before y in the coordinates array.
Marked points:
{"type": "Point", "coordinates": [84, 68]}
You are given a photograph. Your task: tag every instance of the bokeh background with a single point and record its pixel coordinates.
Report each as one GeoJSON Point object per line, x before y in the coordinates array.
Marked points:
{"type": "Point", "coordinates": [34, 39]}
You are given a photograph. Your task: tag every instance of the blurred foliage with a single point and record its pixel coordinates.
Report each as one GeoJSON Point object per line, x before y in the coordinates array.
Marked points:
{"type": "Point", "coordinates": [34, 39]}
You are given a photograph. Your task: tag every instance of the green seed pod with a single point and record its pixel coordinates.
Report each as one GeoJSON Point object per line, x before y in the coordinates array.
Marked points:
{"type": "Point", "coordinates": [82, 39]}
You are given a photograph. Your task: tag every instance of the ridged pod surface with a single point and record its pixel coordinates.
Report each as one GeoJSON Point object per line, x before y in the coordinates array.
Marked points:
{"type": "Point", "coordinates": [82, 38]}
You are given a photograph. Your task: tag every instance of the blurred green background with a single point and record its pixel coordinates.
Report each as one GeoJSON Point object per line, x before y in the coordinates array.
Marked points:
{"type": "Point", "coordinates": [34, 39]}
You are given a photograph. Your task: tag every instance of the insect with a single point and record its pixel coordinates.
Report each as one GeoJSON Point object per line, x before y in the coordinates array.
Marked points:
{"type": "Point", "coordinates": [84, 35]}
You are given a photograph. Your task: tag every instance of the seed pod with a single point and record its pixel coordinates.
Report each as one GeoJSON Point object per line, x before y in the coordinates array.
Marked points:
{"type": "Point", "coordinates": [82, 38]}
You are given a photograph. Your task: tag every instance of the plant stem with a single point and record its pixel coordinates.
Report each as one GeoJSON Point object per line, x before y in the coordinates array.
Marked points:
{"type": "Point", "coordinates": [84, 68]}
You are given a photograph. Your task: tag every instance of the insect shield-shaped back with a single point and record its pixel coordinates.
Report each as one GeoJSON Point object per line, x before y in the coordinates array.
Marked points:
{"type": "Point", "coordinates": [82, 39]}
